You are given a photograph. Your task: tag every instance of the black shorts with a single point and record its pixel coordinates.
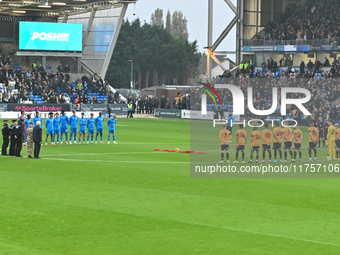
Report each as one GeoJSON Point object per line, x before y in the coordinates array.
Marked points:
{"type": "Point", "coordinates": [288, 145]}
{"type": "Point", "coordinates": [321, 134]}
{"type": "Point", "coordinates": [297, 146]}
{"type": "Point", "coordinates": [311, 145]}
{"type": "Point", "coordinates": [277, 146]}
{"type": "Point", "coordinates": [337, 143]}
{"type": "Point", "coordinates": [224, 147]}
{"type": "Point", "coordinates": [265, 147]}
{"type": "Point", "coordinates": [230, 128]}
{"type": "Point", "coordinates": [255, 148]}
{"type": "Point", "coordinates": [240, 148]}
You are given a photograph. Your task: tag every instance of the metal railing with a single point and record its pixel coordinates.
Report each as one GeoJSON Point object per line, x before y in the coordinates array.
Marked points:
{"type": "Point", "coordinates": [313, 43]}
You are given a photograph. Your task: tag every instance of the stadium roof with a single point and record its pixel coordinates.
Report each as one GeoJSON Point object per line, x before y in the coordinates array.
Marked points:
{"type": "Point", "coordinates": [54, 7]}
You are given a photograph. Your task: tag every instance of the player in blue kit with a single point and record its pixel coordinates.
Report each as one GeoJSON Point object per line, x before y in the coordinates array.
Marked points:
{"type": "Point", "coordinates": [63, 126]}
{"type": "Point", "coordinates": [82, 127]}
{"type": "Point", "coordinates": [90, 128]}
{"type": "Point", "coordinates": [49, 128]}
{"type": "Point", "coordinates": [73, 121]}
{"type": "Point", "coordinates": [112, 126]}
{"type": "Point", "coordinates": [36, 119]}
{"type": "Point", "coordinates": [56, 124]}
{"type": "Point", "coordinates": [99, 124]}
{"type": "Point", "coordinates": [27, 124]}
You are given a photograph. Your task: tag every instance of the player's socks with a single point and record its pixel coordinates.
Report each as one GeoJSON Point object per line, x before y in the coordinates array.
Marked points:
{"type": "Point", "coordinates": [45, 140]}
{"type": "Point", "coordinates": [291, 154]}
{"type": "Point", "coordinates": [79, 140]}
{"type": "Point", "coordinates": [294, 155]}
{"type": "Point", "coordinates": [88, 138]}
{"type": "Point", "coordinates": [315, 153]}
{"type": "Point", "coordinates": [222, 156]}
{"type": "Point", "coordinates": [236, 156]}
{"type": "Point", "coordinates": [242, 156]}
{"type": "Point", "coordinates": [66, 135]}
{"type": "Point", "coordinates": [280, 152]}
{"type": "Point", "coordinates": [285, 155]}
{"type": "Point", "coordinates": [114, 138]}
{"type": "Point", "coordinates": [83, 140]}
{"type": "Point", "coordinates": [101, 138]}
{"type": "Point", "coordinates": [227, 154]}
{"type": "Point", "coordinates": [96, 138]}
{"type": "Point", "coordinates": [91, 138]}
{"type": "Point", "coordinates": [71, 137]}
{"type": "Point", "coordinates": [108, 138]}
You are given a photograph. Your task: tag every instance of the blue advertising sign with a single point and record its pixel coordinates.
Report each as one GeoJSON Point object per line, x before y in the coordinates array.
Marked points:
{"type": "Point", "coordinates": [303, 48]}
{"type": "Point", "coordinates": [263, 48]}
{"type": "Point", "coordinates": [50, 36]}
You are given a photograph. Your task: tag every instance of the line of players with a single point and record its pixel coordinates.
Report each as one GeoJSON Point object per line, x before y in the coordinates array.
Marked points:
{"type": "Point", "coordinates": [57, 127]}
{"type": "Point", "coordinates": [286, 134]}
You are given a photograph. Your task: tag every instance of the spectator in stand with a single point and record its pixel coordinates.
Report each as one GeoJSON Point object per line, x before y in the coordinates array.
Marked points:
{"type": "Point", "coordinates": [317, 66]}
{"type": "Point", "coordinates": [310, 65]}
{"type": "Point", "coordinates": [66, 68]}
{"type": "Point", "coordinates": [60, 68]}
{"type": "Point", "coordinates": [326, 64]}
{"type": "Point", "coordinates": [264, 65]}
{"type": "Point", "coordinates": [79, 86]}
{"type": "Point", "coordinates": [302, 67]}
{"type": "Point", "coordinates": [116, 95]}
{"type": "Point", "coordinates": [84, 79]}
{"type": "Point", "coordinates": [163, 102]}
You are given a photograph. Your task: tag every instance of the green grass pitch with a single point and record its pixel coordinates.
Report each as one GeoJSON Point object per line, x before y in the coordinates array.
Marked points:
{"type": "Point", "coordinates": [127, 199]}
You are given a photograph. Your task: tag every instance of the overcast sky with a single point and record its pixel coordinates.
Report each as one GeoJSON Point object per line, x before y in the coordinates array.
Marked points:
{"type": "Point", "coordinates": [197, 15]}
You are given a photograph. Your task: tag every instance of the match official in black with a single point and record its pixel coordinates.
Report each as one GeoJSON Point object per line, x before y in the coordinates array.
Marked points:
{"type": "Point", "coordinates": [12, 147]}
{"type": "Point", "coordinates": [5, 138]}
{"type": "Point", "coordinates": [18, 134]}
{"type": "Point", "coordinates": [108, 107]}
{"type": "Point", "coordinates": [37, 138]}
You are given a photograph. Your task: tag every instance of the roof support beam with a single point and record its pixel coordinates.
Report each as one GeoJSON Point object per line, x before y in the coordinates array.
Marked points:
{"type": "Point", "coordinates": [114, 40]}
{"type": "Point", "coordinates": [224, 34]}
{"type": "Point", "coordinates": [231, 5]}
{"type": "Point", "coordinates": [89, 26]}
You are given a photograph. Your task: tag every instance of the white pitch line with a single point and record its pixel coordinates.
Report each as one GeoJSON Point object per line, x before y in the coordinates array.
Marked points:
{"type": "Point", "coordinates": [116, 161]}
{"type": "Point", "coordinates": [267, 234]}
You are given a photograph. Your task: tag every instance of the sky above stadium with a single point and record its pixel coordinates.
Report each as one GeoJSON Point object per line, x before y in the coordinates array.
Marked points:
{"type": "Point", "coordinates": [197, 16]}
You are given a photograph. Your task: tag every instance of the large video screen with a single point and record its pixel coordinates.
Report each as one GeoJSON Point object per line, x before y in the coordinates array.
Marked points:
{"type": "Point", "coordinates": [50, 36]}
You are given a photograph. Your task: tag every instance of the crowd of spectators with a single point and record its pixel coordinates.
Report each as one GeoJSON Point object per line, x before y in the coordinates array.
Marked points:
{"type": "Point", "coordinates": [324, 90]}
{"type": "Point", "coordinates": [19, 85]}
{"type": "Point", "coordinates": [272, 68]}
{"type": "Point", "coordinates": [317, 20]}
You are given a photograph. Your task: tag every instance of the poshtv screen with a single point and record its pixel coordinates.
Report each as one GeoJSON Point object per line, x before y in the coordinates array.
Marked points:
{"type": "Point", "coordinates": [50, 36]}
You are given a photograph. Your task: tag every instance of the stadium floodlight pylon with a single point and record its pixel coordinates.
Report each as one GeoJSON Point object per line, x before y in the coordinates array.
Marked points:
{"type": "Point", "coordinates": [212, 46]}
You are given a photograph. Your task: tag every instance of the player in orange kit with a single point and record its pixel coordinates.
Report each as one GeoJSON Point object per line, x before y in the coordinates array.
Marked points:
{"type": "Point", "coordinates": [313, 140]}
{"type": "Point", "coordinates": [255, 144]}
{"type": "Point", "coordinates": [225, 137]}
{"type": "Point", "coordinates": [267, 137]}
{"type": "Point", "coordinates": [298, 136]}
{"type": "Point", "coordinates": [241, 142]}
